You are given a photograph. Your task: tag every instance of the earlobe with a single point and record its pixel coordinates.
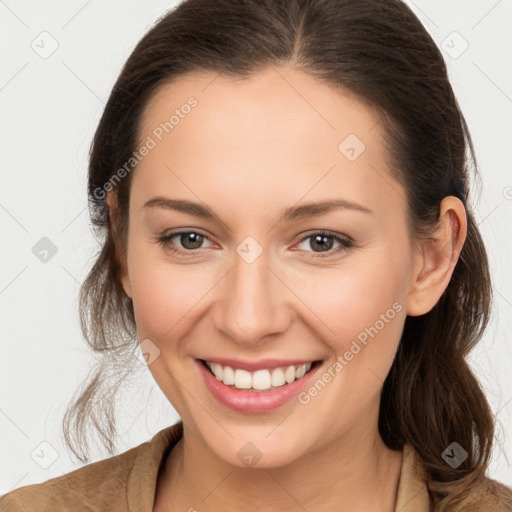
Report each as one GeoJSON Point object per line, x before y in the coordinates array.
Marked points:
{"type": "Point", "coordinates": [436, 258]}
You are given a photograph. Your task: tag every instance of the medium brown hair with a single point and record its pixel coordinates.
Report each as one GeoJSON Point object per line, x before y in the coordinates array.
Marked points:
{"type": "Point", "coordinates": [379, 51]}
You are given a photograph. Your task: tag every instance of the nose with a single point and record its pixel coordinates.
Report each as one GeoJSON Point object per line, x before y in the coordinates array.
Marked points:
{"type": "Point", "coordinates": [253, 303]}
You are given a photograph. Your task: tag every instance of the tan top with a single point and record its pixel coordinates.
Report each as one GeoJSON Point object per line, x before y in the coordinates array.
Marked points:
{"type": "Point", "coordinates": [127, 482]}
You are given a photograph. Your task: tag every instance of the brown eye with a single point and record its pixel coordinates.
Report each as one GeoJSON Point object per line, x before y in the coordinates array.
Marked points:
{"type": "Point", "coordinates": [189, 242]}
{"type": "Point", "coordinates": [323, 242]}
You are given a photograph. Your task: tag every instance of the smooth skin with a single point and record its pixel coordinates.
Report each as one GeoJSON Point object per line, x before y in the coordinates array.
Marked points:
{"type": "Point", "coordinates": [250, 149]}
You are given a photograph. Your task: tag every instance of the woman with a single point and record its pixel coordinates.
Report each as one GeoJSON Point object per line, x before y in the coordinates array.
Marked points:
{"type": "Point", "coordinates": [283, 189]}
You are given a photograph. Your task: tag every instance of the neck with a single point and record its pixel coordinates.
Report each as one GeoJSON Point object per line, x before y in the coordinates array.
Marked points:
{"type": "Point", "coordinates": [353, 474]}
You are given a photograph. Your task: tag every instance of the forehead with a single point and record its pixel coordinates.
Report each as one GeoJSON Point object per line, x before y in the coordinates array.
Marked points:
{"type": "Point", "coordinates": [279, 134]}
{"type": "Point", "coordinates": [277, 103]}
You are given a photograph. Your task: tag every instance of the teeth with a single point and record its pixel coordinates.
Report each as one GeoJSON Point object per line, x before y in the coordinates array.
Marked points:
{"type": "Point", "coordinates": [277, 378]}
{"type": "Point", "coordinates": [259, 380]}
{"type": "Point", "coordinates": [301, 371]}
{"type": "Point", "coordinates": [289, 374]}
{"type": "Point", "coordinates": [242, 379]}
{"type": "Point", "coordinates": [228, 375]}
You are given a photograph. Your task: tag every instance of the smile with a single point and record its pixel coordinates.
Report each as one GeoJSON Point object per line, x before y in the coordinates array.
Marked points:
{"type": "Point", "coordinates": [260, 380]}
{"type": "Point", "coordinates": [289, 381]}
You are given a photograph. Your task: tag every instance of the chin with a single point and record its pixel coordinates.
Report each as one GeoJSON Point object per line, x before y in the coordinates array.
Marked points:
{"type": "Point", "coordinates": [253, 451]}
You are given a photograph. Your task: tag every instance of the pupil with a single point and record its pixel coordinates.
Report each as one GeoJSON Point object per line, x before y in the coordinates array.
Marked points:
{"type": "Point", "coordinates": [189, 237]}
{"type": "Point", "coordinates": [320, 242]}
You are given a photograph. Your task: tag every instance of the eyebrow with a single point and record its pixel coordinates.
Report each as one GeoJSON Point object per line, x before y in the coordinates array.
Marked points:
{"type": "Point", "coordinates": [310, 209]}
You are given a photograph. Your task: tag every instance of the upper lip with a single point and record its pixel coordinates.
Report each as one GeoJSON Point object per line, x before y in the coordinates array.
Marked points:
{"type": "Point", "coordinates": [262, 364]}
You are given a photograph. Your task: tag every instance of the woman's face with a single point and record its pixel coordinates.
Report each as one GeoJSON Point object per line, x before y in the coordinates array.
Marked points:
{"type": "Point", "coordinates": [254, 283]}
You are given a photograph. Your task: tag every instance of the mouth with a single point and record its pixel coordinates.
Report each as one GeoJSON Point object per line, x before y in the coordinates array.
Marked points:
{"type": "Point", "coordinates": [275, 389]}
{"type": "Point", "coordinates": [267, 379]}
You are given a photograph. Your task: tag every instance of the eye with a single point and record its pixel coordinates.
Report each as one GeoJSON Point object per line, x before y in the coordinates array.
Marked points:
{"type": "Point", "coordinates": [190, 241]}
{"type": "Point", "coordinates": [323, 241]}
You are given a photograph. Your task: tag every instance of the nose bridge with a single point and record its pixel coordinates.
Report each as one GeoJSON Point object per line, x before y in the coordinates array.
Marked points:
{"type": "Point", "coordinates": [253, 299]}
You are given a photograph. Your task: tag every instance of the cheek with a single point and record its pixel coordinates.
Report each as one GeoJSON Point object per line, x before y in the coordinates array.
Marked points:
{"type": "Point", "coordinates": [360, 307]}
{"type": "Point", "coordinates": [164, 294]}
{"type": "Point", "coordinates": [164, 297]}
{"type": "Point", "coordinates": [364, 316]}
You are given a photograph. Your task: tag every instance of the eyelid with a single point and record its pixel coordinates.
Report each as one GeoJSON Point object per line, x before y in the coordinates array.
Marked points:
{"type": "Point", "coordinates": [326, 232]}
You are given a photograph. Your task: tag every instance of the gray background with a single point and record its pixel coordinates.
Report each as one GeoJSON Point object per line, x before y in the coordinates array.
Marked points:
{"type": "Point", "coordinates": [50, 106]}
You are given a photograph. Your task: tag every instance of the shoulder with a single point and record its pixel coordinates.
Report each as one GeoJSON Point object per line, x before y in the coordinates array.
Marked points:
{"type": "Point", "coordinates": [421, 494]}
{"type": "Point", "coordinates": [101, 486]}
{"type": "Point", "coordinates": [84, 485]}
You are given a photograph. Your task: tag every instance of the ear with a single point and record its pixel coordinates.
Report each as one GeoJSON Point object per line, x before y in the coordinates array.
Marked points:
{"type": "Point", "coordinates": [435, 258]}
{"type": "Point", "coordinates": [120, 254]}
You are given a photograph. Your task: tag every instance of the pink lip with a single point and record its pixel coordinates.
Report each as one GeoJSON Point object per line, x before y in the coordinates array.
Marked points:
{"type": "Point", "coordinates": [252, 366]}
{"type": "Point", "coordinates": [253, 401]}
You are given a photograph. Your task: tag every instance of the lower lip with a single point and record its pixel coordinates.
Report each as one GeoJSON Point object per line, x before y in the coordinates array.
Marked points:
{"type": "Point", "coordinates": [253, 401]}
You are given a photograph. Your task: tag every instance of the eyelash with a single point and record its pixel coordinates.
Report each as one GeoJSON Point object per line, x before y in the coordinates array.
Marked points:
{"type": "Point", "coordinates": [345, 241]}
